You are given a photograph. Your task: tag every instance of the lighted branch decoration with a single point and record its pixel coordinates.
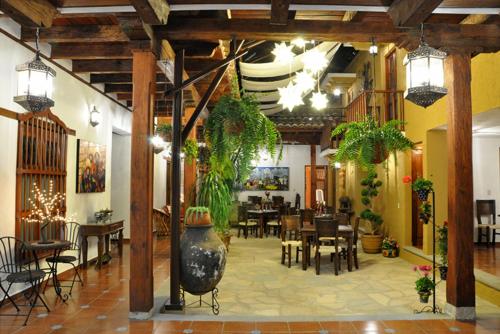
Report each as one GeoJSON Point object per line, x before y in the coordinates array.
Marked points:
{"type": "Point", "coordinates": [45, 210]}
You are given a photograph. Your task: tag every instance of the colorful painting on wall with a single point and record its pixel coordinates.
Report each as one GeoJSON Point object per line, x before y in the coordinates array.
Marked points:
{"type": "Point", "coordinates": [268, 178]}
{"type": "Point", "coordinates": [91, 168]}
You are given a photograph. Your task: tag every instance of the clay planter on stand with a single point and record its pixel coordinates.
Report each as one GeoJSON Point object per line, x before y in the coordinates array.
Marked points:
{"type": "Point", "coordinates": [424, 296]}
{"type": "Point", "coordinates": [372, 243]}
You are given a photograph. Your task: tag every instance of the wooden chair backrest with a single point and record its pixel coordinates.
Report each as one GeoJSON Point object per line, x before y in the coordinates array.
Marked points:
{"type": "Point", "coordinates": [343, 218]}
{"type": "Point", "coordinates": [485, 207]}
{"type": "Point", "coordinates": [290, 225]}
{"type": "Point", "coordinates": [356, 231]}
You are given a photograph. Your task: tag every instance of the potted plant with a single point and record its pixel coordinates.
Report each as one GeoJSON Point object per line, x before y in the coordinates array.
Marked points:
{"type": "Point", "coordinates": [425, 212]}
{"type": "Point", "coordinates": [424, 284]}
{"type": "Point", "coordinates": [422, 187]}
{"type": "Point", "coordinates": [367, 143]}
{"type": "Point", "coordinates": [443, 249]}
{"type": "Point", "coordinates": [390, 247]}
{"type": "Point", "coordinates": [197, 215]}
{"type": "Point", "coordinates": [190, 150]}
{"type": "Point", "coordinates": [164, 130]}
{"type": "Point", "coordinates": [372, 240]}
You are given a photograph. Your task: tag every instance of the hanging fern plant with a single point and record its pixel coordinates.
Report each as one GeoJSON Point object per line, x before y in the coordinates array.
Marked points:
{"type": "Point", "coordinates": [190, 149]}
{"type": "Point", "coordinates": [236, 128]}
{"type": "Point", "coordinates": [367, 144]}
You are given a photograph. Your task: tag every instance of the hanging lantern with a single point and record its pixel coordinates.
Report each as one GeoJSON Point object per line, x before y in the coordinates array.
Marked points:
{"type": "Point", "coordinates": [425, 75]}
{"type": "Point", "coordinates": [95, 117]}
{"type": "Point", "coordinates": [34, 85]}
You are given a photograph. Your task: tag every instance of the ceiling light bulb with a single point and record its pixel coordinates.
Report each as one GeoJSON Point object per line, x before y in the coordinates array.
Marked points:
{"type": "Point", "coordinates": [290, 96]}
{"type": "Point", "coordinates": [319, 101]}
{"type": "Point", "coordinates": [304, 81]}
{"type": "Point", "coordinates": [299, 42]}
{"type": "Point", "coordinates": [283, 53]}
{"type": "Point", "coordinates": [314, 61]}
{"type": "Point", "coordinates": [336, 92]}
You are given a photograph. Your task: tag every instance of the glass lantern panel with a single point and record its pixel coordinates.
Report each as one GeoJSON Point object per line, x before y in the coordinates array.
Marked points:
{"type": "Point", "coordinates": [419, 72]}
{"type": "Point", "coordinates": [436, 71]}
{"type": "Point", "coordinates": [22, 82]}
{"type": "Point", "coordinates": [38, 83]}
{"type": "Point", "coordinates": [95, 117]}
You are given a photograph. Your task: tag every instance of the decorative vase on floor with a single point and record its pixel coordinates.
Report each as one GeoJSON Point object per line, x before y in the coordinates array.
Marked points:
{"type": "Point", "coordinates": [203, 259]}
{"type": "Point", "coordinates": [372, 243]}
{"type": "Point", "coordinates": [443, 272]}
{"type": "Point", "coordinates": [424, 296]}
{"type": "Point", "coordinates": [390, 252]}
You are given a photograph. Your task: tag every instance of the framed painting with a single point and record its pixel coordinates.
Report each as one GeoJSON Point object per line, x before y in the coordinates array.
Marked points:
{"type": "Point", "coordinates": [91, 167]}
{"type": "Point", "coordinates": [268, 178]}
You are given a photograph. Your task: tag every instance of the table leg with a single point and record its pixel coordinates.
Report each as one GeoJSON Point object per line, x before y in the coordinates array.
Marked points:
{"type": "Point", "coordinates": [55, 279]}
{"type": "Point", "coordinates": [120, 243]}
{"type": "Point", "coordinates": [349, 254]}
{"type": "Point", "coordinates": [100, 251]}
{"type": "Point", "coordinates": [261, 223]}
{"type": "Point", "coordinates": [304, 251]}
{"type": "Point", "coordinates": [85, 247]}
{"type": "Point", "coordinates": [106, 244]}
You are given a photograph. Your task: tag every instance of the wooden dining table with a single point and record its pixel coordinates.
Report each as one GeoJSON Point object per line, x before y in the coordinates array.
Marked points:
{"type": "Point", "coordinates": [262, 215]}
{"type": "Point", "coordinates": [309, 230]}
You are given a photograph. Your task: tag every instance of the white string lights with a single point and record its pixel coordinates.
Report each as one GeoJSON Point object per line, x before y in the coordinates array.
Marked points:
{"type": "Point", "coordinates": [314, 61]}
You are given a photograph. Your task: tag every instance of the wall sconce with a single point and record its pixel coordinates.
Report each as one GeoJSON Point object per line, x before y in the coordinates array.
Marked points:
{"type": "Point", "coordinates": [159, 144]}
{"type": "Point", "coordinates": [95, 117]}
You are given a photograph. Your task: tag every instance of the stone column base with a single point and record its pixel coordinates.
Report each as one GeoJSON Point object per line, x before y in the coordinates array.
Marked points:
{"type": "Point", "coordinates": [461, 312]}
{"type": "Point", "coordinates": [141, 315]}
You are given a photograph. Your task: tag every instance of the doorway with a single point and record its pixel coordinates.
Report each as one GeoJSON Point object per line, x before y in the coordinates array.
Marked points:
{"type": "Point", "coordinates": [417, 227]}
{"type": "Point", "coordinates": [311, 185]}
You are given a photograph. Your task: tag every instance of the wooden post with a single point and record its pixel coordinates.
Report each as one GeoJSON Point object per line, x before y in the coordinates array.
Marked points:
{"type": "Point", "coordinates": [175, 303]}
{"type": "Point", "coordinates": [313, 176]}
{"type": "Point", "coordinates": [141, 176]}
{"type": "Point", "coordinates": [460, 290]}
{"type": "Point", "coordinates": [190, 169]}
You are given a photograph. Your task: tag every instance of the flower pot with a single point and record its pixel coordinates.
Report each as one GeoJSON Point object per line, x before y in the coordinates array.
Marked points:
{"type": "Point", "coordinates": [423, 194]}
{"type": "Point", "coordinates": [372, 243]}
{"type": "Point", "coordinates": [424, 296]}
{"type": "Point", "coordinates": [443, 272]}
{"type": "Point", "coordinates": [202, 260]}
{"type": "Point", "coordinates": [198, 218]}
{"type": "Point", "coordinates": [390, 252]}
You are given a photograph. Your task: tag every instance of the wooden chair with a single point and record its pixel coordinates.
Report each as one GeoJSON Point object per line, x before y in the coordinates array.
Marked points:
{"type": "Point", "coordinates": [306, 216]}
{"type": "Point", "coordinates": [343, 244]}
{"type": "Point", "coordinates": [486, 208]}
{"type": "Point", "coordinates": [343, 218]}
{"type": "Point", "coordinates": [274, 223]}
{"type": "Point", "coordinates": [161, 222]}
{"type": "Point", "coordinates": [290, 237]}
{"type": "Point", "coordinates": [278, 201]}
{"type": "Point", "coordinates": [246, 224]}
{"type": "Point", "coordinates": [326, 228]}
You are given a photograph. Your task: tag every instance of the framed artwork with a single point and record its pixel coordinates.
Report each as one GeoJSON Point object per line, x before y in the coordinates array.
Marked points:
{"type": "Point", "coordinates": [91, 167]}
{"type": "Point", "coordinates": [268, 178]}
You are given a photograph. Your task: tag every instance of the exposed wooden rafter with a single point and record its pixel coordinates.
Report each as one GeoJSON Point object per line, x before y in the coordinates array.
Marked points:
{"type": "Point", "coordinates": [81, 34]}
{"type": "Point", "coordinates": [409, 13]}
{"type": "Point", "coordinates": [279, 12]}
{"type": "Point", "coordinates": [30, 13]}
{"type": "Point", "coordinates": [152, 11]}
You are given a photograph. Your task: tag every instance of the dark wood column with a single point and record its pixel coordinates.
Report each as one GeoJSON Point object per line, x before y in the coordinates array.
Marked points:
{"type": "Point", "coordinates": [141, 187]}
{"type": "Point", "coordinates": [460, 289]}
{"type": "Point", "coordinates": [190, 169]}
{"type": "Point", "coordinates": [313, 176]}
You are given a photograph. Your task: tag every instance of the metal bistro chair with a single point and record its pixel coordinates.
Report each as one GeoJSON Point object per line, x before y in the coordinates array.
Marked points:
{"type": "Point", "coordinates": [486, 209]}
{"type": "Point", "coordinates": [244, 223]}
{"type": "Point", "coordinates": [71, 233]}
{"type": "Point", "coordinates": [16, 262]}
{"type": "Point", "coordinates": [326, 231]}
{"type": "Point", "coordinates": [290, 238]}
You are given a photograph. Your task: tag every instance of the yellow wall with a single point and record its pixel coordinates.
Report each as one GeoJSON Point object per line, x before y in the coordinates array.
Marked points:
{"type": "Point", "coordinates": [394, 201]}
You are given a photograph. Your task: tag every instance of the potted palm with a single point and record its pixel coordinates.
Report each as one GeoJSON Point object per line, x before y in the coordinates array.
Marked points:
{"type": "Point", "coordinates": [443, 249]}
{"type": "Point", "coordinates": [372, 240]}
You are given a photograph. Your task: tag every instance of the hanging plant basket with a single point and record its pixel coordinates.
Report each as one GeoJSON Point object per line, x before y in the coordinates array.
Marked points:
{"type": "Point", "coordinates": [380, 154]}
{"type": "Point", "coordinates": [233, 128]}
{"type": "Point", "coordinates": [423, 195]}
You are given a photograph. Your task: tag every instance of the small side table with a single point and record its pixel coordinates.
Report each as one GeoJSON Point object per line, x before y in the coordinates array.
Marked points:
{"type": "Point", "coordinates": [57, 246]}
{"type": "Point", "coordinates": [102, 231]}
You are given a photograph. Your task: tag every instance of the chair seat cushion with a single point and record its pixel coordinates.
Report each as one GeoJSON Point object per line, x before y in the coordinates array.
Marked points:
{"type": "Point", "coordinates": [62, 259]}
{"type": "Point", "coordinates": [492, 226]}
{"type": "Point", "coordinates": [293, 243]}
{"type": "Point", "coordinates": [273, 223]}
{"type": "Point", "coordinates": [250, 223]}
{"type": "Point", "coordinates": [326, 249]}
{"type": "Point", "coordinates": [25, 276]}
{"type": "Point", "coordinates": [345, 245]}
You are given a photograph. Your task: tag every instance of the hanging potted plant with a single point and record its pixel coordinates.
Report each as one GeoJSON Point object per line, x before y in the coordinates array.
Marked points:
{"type": "Point", "coordinates": [372, 240]}
{"type": "Point", "coordinates": [367, 143]}
{"type": "Point", "coordinates": [425, 213]}
{"type": "Point", "coordinates": [443, 249]}
{"type": "Point", "coordinates": [164, 130]}
{"type": "Point", "coordinates": [424, 284]}
{"type": "Point", "coordinates": [190, 150]}
{"type": "Point", "coordinates": [422, 187]}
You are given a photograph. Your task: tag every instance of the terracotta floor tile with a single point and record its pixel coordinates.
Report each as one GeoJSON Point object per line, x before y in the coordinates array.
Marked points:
{"type": "Point", "coordinates": [366, 326]}
{"type": "Point", "coordinates": [272, 327]}
{"type": "Point", "coordinates": [336, 326]}
{"type": "Point", "coordinates": [166, 326]}
{"type": "Point", "coordinates": [402, 326]}
{"type": "Point", "coordinates": [209, 326]}
{"type": "Point", "coordinates": [432, 325]}
{"type": "Point", "coordinates": [304, 326]}
{"type": "Point", "coordinates": [236, 326]}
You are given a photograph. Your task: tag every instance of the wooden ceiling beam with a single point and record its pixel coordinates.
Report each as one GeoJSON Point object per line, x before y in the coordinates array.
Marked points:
{"type": "Point", "coordinates": [484, 36]}
{"type": "Point", "coordinates": [127, 88]}
{"type": "Point", "coordinates": [100, 78]}
{"type": "Point", "coordinates": [30, 13]}
{"type": "Point", "coordinates": [81, 33]}
{"type": "Point", "coordinates": [279, 12]}
{"type": "Point", "coordinates": [128, 96]}
{"type": "Point", "coordinates": [91, 51]}
{"type": "Point", "coordinates": [103, 66]}
{"type": "Point", "coordinates": [154, 12]}
{"type": "Point", "coordinates": [301, 138]}
{"type": "Point", "coordinates": [475, 19]}
{"type": "Point", "coordinates": [410, 13]}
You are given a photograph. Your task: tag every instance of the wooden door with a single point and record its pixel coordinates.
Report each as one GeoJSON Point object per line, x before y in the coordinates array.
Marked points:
{"type": "Point", "coordinates": [391, 85]}
{"type": "Point", "coordinates": [417, 227]}
{"type": "Point", "coordinates": [321, 183]}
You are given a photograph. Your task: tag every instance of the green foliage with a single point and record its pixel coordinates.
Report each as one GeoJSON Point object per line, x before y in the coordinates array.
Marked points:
{"type": "Point", "coordinates": [164, 130]}
{"type": "Point", "coordinates": [422, 184]}
{"type": "Point", "coordinates": [215, 194]}
{"type": "Point", "coordinates": [364, 141]}
{"type": "Point", "coordinates": [368, 193]}
{"type": "Point", "coordinates": [425, 212]}
{"type": "Point", "coordinates": [424, 284]}
{"type": "Point", "coordinates": [236, 128]}
{"type": "Point", "coordinates": [190, 150]}
{"type": "Point", "coordinates": [442, 243]}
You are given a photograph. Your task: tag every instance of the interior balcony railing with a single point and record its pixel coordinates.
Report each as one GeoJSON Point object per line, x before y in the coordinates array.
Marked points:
{"type": "Point", "coordinates": [383, 105]}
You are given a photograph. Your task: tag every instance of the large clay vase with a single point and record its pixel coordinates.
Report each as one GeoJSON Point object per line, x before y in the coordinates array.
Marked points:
{"type": "Point", "coordinates": [372, 243]}
{"type": "Point", "coordinates": [203, 259]}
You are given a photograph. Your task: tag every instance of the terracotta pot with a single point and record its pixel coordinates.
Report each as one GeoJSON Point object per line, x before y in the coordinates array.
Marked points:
{"type": "Point", "coordinates": [380, 154]}
{"type": "Point", "coordinates": [195, 218]}
{"type": "Point", "coordinates": [390, 252]}
{"type": "Point", "coordinates": [372, 243]}
{"type": "Point", "coordinates": [202, 260]}
{"type": "Point", "coordinates": [424, 296]}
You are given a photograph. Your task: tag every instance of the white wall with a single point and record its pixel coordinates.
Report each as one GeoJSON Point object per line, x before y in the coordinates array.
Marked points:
{"type": "Point", "coordinates": [295, 157]}
{"type": "Point", "coordinates": [486, 169]}
{"type": "Point", "coordinates": [160, 182]}
{"type": "Point", "coordinates": [73, 101]}
{"type": "Point", "coordinates": [120, 180]}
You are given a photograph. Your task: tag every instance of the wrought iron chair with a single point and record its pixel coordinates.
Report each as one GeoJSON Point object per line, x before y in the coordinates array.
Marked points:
{"type": "Point", "coordinates": [327, 231]}
{"type": "Point", "coordinates": [71, 233]}
{"type": "Point", "coordinates": [290, 238]}
{"type": "Point", "coordinates": [16, 262]}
